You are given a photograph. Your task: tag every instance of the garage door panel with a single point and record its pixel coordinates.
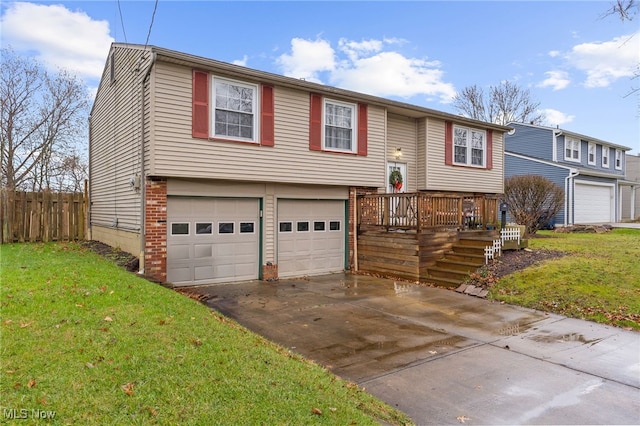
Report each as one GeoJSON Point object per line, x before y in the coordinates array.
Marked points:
{"type": "Point", "coordinates": [316, 250]}
{"type": "Point", "coordinates": [593, 203]}
{"type": "Point", "coordinates": [206, 255]}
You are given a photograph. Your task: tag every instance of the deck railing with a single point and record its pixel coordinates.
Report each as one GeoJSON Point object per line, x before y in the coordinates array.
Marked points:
{"type": "Point", "coordinates": [424, 210]}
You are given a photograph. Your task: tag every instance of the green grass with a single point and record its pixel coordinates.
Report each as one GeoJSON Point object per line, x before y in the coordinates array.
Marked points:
{"type": "Point", "coordinates": [95, 344]}
{"type": "Point", "coordinates": [599, 280]}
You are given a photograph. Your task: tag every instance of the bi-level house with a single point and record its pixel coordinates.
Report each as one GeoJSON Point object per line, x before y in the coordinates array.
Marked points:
{"type": "Point", "coordinates": [213, 172]}
{"type": "Point", "coordinates": [590, 171]}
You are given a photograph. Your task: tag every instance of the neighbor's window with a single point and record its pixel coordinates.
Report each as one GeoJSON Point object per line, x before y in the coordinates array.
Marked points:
{"type": "Point", "coordinates": [592, 153]}
{"type": "Point", "coordinates": [235, 110]}
{"type": "Point", "coordinates": [571, 149]}
{"type": "Point", "coordinates": [618, 164]}
{"type": "Point", "coordinates": [339, 121]}
{"type": "Point", "coordinates": [180, 228]}
{"type": "Point", "coordinates": [469, 146]}
{"type": "Point", "coordinates": [605, 156]}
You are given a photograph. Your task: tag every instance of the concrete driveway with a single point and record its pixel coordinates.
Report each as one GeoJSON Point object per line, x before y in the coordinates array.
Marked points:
{"type": "Point", "coordinates": [444, 357]}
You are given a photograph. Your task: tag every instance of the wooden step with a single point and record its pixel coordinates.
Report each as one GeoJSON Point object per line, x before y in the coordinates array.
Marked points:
{"type": "Point", "coordinates": [466, 249]}
{"type": "Point", "coordinates": [442, 282]}
{"type": "Point", "coordinates": [454, 265]}
{"type": "Point", "coordinates": [476, 259]}
{"type": "Point", "coordinates": [448, 273]}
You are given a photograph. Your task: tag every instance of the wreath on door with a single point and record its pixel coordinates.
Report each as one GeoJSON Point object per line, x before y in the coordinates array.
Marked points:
{"type": "Point", "coordinates": [395, 179]}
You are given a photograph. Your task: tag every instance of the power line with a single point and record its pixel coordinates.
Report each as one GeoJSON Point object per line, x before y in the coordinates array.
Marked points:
{"type": "Point", "coordinates": [155, 7]}
{"type": "Point", "coordinates": [124, 32]}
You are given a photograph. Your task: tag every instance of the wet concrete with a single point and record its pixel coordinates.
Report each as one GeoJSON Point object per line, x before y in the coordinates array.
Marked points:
{"type": "Point", "coordinates": [444, 357]}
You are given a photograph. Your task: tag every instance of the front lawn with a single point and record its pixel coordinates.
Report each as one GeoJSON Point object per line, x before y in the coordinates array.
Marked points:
{"type": "Point", "coordinates": [599, 280]}
{"type": "Point", "coordinates": [93, 344]}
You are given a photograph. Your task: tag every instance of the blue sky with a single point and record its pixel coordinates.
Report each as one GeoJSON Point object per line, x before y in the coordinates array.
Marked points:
{"type": "Point", "coordinates": [578, 64]}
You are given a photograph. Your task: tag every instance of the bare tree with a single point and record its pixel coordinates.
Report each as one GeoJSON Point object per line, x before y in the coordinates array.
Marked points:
{"type": "Point", "coordinates": [505, 103]}
{"type": "Point", "coordinates": [43, 118]}
{"type": "Point", "coordinates": [533, 200]}
{"type": "Point", "coordinates": [626, 10]}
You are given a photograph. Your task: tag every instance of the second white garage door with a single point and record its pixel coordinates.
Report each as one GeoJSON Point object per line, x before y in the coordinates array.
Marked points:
{"type": "Point", "coordinates": [311, 237]}
{"type": "Point", "coordinates": [593, 203]}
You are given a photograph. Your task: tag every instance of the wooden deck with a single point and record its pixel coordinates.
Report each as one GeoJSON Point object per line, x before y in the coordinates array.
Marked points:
{"type": "Point", "coordinates": [427, 237]}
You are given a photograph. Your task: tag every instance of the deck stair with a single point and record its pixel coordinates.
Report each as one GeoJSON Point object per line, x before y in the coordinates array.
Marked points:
{"type": "Point", "coordinates": [465, 257]}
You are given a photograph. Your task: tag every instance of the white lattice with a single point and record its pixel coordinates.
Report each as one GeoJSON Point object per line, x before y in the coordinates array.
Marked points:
{"type": "Point", "coordinates": [489, 251]}
{"type": "Point", "coordinates": [497, 247]}
{"type": "Point", "coordinates": [510, 234]}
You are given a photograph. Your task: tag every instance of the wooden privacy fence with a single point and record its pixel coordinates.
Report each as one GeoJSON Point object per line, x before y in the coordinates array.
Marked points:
{"type": "Point", "coordinates": [42, 216]}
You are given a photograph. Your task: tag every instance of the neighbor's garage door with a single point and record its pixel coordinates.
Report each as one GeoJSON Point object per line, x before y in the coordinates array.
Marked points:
{"type": "Point", "coordinates": [593, 203]}
{"type": "Point", "coordinates": [212, 240]}
{"type": "Point", "coordinates": [311, 238]}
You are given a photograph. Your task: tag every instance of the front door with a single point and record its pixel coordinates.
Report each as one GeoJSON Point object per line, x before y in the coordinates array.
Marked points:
{"type": "Point", "coordinates": [402, 168]}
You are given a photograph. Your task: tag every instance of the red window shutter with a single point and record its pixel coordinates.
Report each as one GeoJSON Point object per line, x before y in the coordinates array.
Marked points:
{"type": "Point", "coordinates": [200, 109]}
{"type": "Point", "coordinates": [489, 149]}
{"type": "Point", "coordinates": [363, 126]}
{"type": "Point", "coordinates": [448, 143]}
{"type": "Point", "coordinates": [315, 122]}
{"type": "Point", "coordinates": [267, 127]}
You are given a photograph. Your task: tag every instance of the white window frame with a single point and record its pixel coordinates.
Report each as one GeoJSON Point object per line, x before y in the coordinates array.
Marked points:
{"type": "Point", "coordinates": [469, 148]}
{"type": "Point", "coordinates": [353, 134]}
{"type": "Point", "coordinates": [618, 160]}
{"type": "Point", "coordinates": [255, 110]}
{"type": "Point", "coordinates": [591, 151]}
{"type": "Point", "coordinates": [605, 157]}
{"type": "Point", "coordinates": [572, 145]}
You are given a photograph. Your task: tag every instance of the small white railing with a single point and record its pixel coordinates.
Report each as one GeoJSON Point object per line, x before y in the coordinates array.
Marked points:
{"type": "Point", "coordinates": [510, 234]}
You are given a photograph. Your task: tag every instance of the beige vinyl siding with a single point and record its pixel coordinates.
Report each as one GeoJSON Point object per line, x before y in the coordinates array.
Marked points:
{"type": "Point", "coordinates": [176, 153]}
{"type": "Point", "coordinates": [441, 177]}
{"type": "Point", "coordinates": [421, 154]}
{"type": "Point", "coordinates": [401, 133]}
{"type": "Point", "coordinates": [269, 192]}
{"type": "Point", "coordinates": [116, 135]}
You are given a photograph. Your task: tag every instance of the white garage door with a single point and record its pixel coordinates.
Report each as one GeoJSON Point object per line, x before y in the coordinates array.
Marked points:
{"type": "Point", "coordinates": [593, 203]}
{"type": "Point", "coordinates": [311, 237]}
{"type": "Point", "coordinates": [212, 240]}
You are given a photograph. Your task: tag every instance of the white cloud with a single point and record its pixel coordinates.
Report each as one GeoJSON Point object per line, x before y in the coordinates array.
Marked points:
{"type": "Point", "coordinates": [307, 59]}
{"type": "Point", "coordinates": [555, 118]}
{"type": "Point", "coordinates": [557, 80]}
{"type": "Point", "coordinates": [554, 53]}
{"type": "Point", "coordinates": [367, 66]}
{"type": "Point", "coordinates": [242, 62]}
{"type": "Point", "coordinates": [58, 37]}
{"type": "Point", "coordinates": [605, 62]}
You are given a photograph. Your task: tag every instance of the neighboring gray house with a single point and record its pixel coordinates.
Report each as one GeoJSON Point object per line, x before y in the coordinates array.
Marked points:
{"type": "Point", "coordinates": [591, 171]}
{"type": "Point", "coordinates": [630, 193]}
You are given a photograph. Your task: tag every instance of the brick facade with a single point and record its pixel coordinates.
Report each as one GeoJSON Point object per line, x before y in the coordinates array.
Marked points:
{"type": "Point", "coordinates": [155, 229]}
{"type": "Point", "coordinates": [269, 272]}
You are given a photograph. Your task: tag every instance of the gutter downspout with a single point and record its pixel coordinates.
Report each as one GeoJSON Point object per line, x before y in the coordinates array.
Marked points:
{"type": "Point", "coordinates": [568, 199]}
{"type": "Point", "coordinates": [143, 184]}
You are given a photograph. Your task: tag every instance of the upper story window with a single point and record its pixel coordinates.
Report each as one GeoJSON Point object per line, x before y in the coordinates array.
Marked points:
{"type": "Point", "coordinates": [235, 110]}
{"type": "Point", "coordinates": [618, 159]}
{"type": "Point", "coordinates": [605, 157]}
{"type": "Point", "coordinates": [469, 146]}
{"type": "Point", "coordinates": [339, 120]}
{"type": "Point", "coordinates": [337, 126]}
{"type": "Point", "coordinates": [592, 154]}
{"type": "Point", "coordinates": [231, 110]}
{"type": "Point", "coordinates": [571, 149]}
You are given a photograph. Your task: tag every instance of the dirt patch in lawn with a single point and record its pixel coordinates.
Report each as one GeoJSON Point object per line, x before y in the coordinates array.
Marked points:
{"type": "Point", "coordinates": [121, 258]}
{"type": "Point", "coordinates": [511, 261]}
